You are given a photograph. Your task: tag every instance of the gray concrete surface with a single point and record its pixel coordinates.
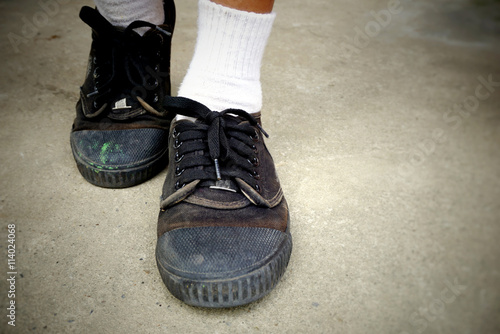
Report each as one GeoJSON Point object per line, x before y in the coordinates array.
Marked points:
{"type": "Point", "coordinates": [394, 187]}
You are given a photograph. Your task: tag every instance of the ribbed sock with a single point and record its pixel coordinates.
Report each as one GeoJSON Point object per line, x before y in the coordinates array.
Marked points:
{"type": "Point", "coordinates": [122, 13]}
{"type": "Point", "coordinates": [225, 69]}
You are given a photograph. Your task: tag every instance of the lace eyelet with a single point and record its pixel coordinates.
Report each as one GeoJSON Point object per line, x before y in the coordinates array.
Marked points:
{"type": "Point", "coordinates": [157, 68]}
{"type": "Point", "coordinates": [257, 187]}
{"type": "Point", "coordinates": [254, 162]}
{"type": "Point", "coordinates": [255, 175]}
{"type": "Point", "coordinates": [153, 85]}
{"type": "Point", "coordinates": [95, 105]}
{"type": "Point", "coordinates": [179, 172]}
{"type": "Point", "coordinates": [95, 74]}
{"type": "Point", "coordinates": [178, 185]}
{"type": "Point", "coordinates": [156, 98]}
{"type": "Point", "coordinates": [161, 40]}
{"type": "Point", "coordinates": [255, 137]}
{"type": "Point", "coordinates": [94, 60]}
{"type": "Point", "coordinates": [177, 144]}
{"type": "Point", "coordinates": [178, 159]}
{"type": "Point", "coordinates": [255, 150]}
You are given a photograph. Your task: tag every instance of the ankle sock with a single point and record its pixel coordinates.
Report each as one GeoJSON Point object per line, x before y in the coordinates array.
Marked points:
{"type": "Point", "coordinates": [225, 69]}
{"type": "Point", "coordinates": [122, 13]}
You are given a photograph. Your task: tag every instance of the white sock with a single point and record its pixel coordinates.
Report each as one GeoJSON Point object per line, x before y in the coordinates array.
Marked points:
{"type": "Point", "coordinates": [121, 13]}
{"type": "Point", "coordinates": [225, 69]}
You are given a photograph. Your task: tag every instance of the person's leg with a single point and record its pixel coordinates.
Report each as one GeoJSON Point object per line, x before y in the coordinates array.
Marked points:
{"type": "Point", "coordinates": [223, 230]}
{"type": "Point", "coordinates": [255, 6]}
{"type": "Point", "coordinates": [225, 69]}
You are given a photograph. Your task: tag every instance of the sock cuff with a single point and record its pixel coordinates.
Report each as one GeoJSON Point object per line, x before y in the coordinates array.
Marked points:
{"type": "Point", "coordinates": [121, 13]}
{"type": "Point", "coordinates": [208, 5]}
{"type": "Point", "coordinates": [218, 93]}
{"type": "Point", "coordinates": [233, 41]}
{"type": "Point", "coordinates": [225, 69]}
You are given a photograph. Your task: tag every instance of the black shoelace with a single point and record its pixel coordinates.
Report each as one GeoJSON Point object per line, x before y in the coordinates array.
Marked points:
{"type": "Point", "coordinates": [218, 146]}
{"type": "Point", "coordinates": [128, 62]}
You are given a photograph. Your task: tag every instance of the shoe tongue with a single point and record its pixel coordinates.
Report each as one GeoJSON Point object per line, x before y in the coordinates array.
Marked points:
{"type": "Point", "coordinates": [125, 108]}
{"type": "Point", "coordinates": [222, 191]}
{"type": "Point", "coordinates": [224, 185]}
{"type": "Point", "coordinates": [227, 194]}
{"type": "Point", "coordinates": [123, 105]}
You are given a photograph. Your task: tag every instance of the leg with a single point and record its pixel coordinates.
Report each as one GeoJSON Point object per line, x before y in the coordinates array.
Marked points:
{"type": "Point", "coordinates": [256, 6]}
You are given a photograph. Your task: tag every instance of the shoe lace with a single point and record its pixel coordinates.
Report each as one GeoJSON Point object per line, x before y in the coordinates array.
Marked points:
{"type": "Point", "coordinates": [128, 58]}
{"type": "Point", "coordinates": [222, 144]}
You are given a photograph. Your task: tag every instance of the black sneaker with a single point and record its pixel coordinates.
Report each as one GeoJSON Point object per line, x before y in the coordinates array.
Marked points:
{"type": "Point", "coordinates": [223, 229]}
{"type": "Point", "coordinates": [120, 134]}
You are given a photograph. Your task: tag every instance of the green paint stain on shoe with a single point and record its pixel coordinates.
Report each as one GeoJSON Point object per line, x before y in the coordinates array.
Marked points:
{"type": "Point", "coordinates": [106, 150]}
{"type": "Point", "coordinates": [104, 156]}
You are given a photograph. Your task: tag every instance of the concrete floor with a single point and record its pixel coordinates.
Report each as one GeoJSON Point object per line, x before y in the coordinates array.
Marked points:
{"type": "Point", "coordinates": [393, 186]}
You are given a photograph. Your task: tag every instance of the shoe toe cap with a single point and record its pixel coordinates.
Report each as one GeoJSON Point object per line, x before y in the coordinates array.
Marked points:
{"type": "Point", "coordinates": [218, 252]}
{"type": "Point", "coordinates": [119, 148]}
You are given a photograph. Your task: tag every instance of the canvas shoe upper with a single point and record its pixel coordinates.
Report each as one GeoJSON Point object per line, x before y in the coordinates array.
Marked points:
{"type": "Point", "coordinates": [120, 133]}
{"type": "Point", "coordinates": [223, 229]}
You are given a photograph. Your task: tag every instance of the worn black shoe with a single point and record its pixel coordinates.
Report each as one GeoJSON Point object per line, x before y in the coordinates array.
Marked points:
{"type": "Point", "coordinates": [223, 229]}
{"type": "Point", "coordinates": [120, 134]}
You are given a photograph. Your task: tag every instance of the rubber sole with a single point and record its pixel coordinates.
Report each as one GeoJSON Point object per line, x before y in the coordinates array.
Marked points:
{"type": "Point", "coordinates": [230, 291]}
{"type": "Point", "coordinates": [120, 178]}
